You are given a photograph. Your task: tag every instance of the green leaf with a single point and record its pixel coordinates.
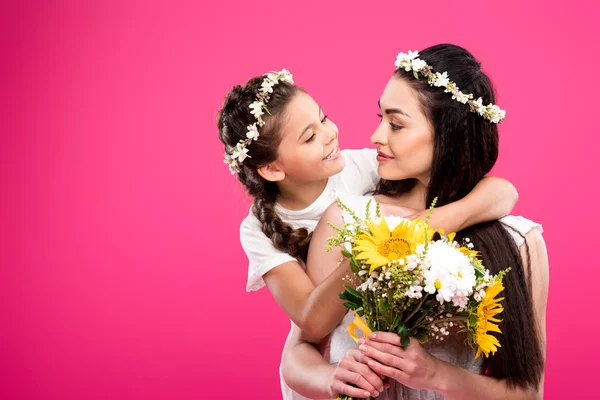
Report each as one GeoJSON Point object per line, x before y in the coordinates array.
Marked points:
{"type": "Point", "coordinates": [405, 340]}
{"type": "Point", "coordinates": [354, 266]}
{"type": "Point", "coordinates": [360, 312]}
{"type": "Point", "coordinates": [351, 305]}
{"type": "Point", "coordinates": [346, 253]}
{"type": "Point", "coordinates": [353, 291]}
{"type": "Point", "coordinates": [415, 74]}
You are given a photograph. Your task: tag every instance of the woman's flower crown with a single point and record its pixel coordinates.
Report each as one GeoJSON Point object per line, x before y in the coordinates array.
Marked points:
{"type": "Point", "coordinates": [236, 156]}
{"type": "Point", "coordinates": [411, 62]}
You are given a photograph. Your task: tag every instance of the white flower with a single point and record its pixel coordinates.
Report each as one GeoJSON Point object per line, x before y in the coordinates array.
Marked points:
{"type": "Point", "coordinates": [267, 86]}
{"type": "Point", "coordinates": [412, 54]}
{"type": "Point", "coordinates": [404, 60]}
{"type": "Point", "coordinates": [412, 262]}
{"type": "Point", "coordinates": [441, 79]}
{"type": "Point", "coordinates": [478, 104]}
{"type": "Point", "coordinates": [240, 153]}
{"type": "Point", "coordinates": [256, 109]}
{"type": "Point", "coordinates": [414, 292]}
{"type": "Point", "coordinates": [348, 246]}
{"type": "Point", "coordinates": [450, 274]}
{"type": "Point", "coordinates": [461, 97]}
{"type": "Point", "coordinates": [494, 113]}
{"type": "Point", "coordinates": [252, 132]}
{"type": "Point", "coordinates": [418, 64]}
{"type": "Point", "coordinates": [286, 76]}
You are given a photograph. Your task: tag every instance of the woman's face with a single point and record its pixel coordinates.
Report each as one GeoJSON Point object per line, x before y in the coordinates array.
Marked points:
{"type": "Point", "coordinates": [404, 137]}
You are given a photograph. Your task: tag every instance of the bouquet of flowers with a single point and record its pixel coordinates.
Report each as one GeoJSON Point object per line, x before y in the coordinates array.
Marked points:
{"type": "Point", "coordinates": [417, 282]}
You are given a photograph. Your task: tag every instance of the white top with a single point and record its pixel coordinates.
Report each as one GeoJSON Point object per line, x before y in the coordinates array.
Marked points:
{"type": "Point", "coordinates": [453, 350]}
{"type": "Point", "coordinates": [358, 177]}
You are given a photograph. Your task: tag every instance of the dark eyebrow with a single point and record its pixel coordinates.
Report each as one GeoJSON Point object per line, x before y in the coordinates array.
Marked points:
{"type": "Point", "coordinates": [393, 110]}
{"type": "Point", "coordinates": [308, 126]}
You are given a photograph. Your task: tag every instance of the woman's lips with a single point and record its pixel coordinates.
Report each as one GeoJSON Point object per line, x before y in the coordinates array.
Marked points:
{"type": "Point", "coordinates": [382, 157]}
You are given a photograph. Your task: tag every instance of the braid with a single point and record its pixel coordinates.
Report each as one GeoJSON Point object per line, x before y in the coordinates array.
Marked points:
{"type": "Point", "coordinates": [232, 122]}
{"type": "Point", "coordinates": [293, 241]}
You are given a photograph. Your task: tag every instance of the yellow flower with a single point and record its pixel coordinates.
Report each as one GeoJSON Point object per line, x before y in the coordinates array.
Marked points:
{"type": "Point", "coordinates": [468, 252]}
{"type": "Point", "coordinates": [378, 246]}
{"type": "Point", "coordinates": [487, 310]}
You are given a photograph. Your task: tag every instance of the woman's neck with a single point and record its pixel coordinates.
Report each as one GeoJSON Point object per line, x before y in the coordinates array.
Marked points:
{"type": "Point", "coordinates": [415, 198]}
{"type": "Point", "coordinates": [297, 196]}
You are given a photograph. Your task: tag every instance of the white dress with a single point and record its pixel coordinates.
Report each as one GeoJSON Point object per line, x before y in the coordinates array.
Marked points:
{"type": "Point", "coordinates": [358, 177]}
{"type": "Point", "coordinates": [453, 349]}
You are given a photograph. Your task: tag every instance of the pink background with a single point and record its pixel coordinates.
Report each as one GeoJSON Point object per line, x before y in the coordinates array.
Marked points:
{"type": "Point", "coordinates": [121, 272]}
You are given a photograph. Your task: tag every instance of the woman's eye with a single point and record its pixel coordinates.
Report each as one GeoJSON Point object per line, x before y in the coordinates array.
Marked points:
{"type": "Point", "coordinates": [311, 138]}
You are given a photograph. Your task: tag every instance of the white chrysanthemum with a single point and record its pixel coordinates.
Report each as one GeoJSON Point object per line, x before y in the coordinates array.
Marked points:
{"type": "Point", "coordinates": [252, 132]}
{"type": "Point", "coordinates": [256, 109]}
{"type": "Point", "coordinates": [441, 80]}
{"type": "Point", "coordinates": [449, 273]}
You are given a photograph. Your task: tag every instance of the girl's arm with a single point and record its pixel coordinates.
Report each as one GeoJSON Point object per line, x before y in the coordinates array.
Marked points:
{"type": "Point", "coordinates": [306, 372]}
{"type": "Point", "coordinates": [492, 198]}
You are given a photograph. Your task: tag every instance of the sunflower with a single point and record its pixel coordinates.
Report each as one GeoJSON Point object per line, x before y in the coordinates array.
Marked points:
{"type": "Point", "coordinates": [487, 310]}
{"type": "Point", "coordinates": [378, 246]}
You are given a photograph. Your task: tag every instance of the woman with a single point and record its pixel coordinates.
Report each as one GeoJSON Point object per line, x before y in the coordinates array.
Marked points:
{"type": "Point", "coordinates": [435, 143]}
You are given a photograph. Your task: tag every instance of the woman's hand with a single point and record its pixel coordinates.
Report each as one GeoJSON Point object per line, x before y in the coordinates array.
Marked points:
{"type": "Point", "coordinates": [352, 370]}
{"type": "Point", "coordinates": [413, 367]}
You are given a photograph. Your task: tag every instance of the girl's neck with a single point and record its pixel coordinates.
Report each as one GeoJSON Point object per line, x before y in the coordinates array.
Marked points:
{"type": "Point", "coordinates": [297, 196]}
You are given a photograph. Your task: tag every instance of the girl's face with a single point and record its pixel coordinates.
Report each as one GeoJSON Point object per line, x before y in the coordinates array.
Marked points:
{"type": "Point", "coordinates": [309, 149]}
{"type": "Point", "coordinates": [404, 138]}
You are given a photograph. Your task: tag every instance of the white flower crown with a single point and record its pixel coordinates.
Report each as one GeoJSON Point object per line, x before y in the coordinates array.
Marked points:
{"type": "Point", "coordinates": [236, 156]}
{"type": "Point", "coordinates": [410, 62]}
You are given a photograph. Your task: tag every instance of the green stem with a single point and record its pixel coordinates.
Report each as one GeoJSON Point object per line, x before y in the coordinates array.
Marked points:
{"type": "Point", "coordinates": [416, 309]}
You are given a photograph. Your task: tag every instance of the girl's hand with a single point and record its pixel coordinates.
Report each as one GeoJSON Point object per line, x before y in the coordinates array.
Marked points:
{"type": "Point", "coordinates": [413, 367]}
{"type": "Point", "coordinates": [352, 370]}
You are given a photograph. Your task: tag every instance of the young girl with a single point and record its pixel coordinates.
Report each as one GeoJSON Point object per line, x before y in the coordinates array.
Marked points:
{"type": "Point", "coordinates": [285, 151]}
{"type": "Point", "coordinates": [432, 144]}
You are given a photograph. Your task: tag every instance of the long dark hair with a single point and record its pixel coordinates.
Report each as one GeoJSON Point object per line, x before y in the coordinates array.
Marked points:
{"type": "Point", "coordinates": [232, 122]}
{"type": "Point", "coordinates": [466, 146]}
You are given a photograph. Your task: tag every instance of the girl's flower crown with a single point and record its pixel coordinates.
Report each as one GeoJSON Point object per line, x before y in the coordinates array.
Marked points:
{"type": "Point", "coordinates": [239, 153]}
{"type": "Point", "coordinates": [409, 62]}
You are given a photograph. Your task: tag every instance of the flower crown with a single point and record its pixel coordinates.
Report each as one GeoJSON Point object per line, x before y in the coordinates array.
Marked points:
{"type": "Point", "coordinates": [239, 153]}
{"type": "Point", "coordinates": [409, 62]}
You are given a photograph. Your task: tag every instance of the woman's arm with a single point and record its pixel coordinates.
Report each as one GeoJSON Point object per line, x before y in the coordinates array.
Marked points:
{"type": "Point", "coordinates": [416, 368]}
{"type": "Point", "coordinates": [492, 198]}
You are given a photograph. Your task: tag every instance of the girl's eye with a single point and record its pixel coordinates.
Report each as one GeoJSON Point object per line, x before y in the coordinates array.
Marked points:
{"type": "Point", "coordinates": [395, 127]}
{"type": "Point", "coordinates": [324, 119]}
{"type": "Point", "coordinates": [311, 138]}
